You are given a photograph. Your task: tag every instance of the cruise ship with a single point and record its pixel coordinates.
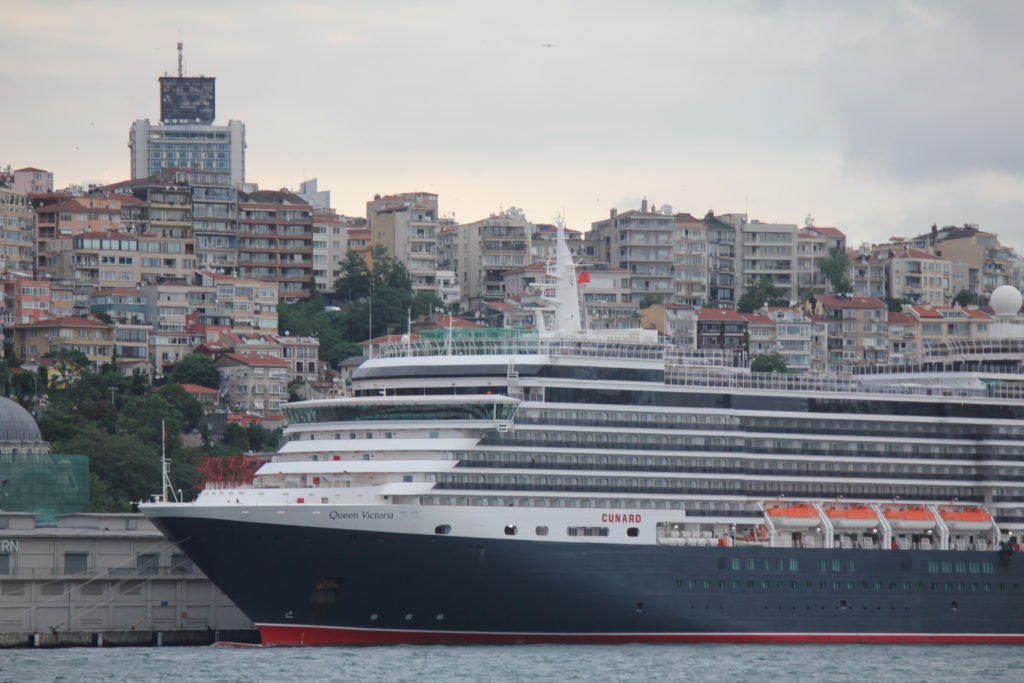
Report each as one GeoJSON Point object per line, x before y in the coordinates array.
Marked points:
{"type": "Point", "coordinates": [509, 486]}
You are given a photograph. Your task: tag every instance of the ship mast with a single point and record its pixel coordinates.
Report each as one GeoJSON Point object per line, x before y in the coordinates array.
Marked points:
{"type": "Point", "coordinates": [566, 302]}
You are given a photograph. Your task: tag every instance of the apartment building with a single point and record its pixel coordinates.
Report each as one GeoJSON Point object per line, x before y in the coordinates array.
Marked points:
{"type": "Point", "coordinates": [797, 340]}
{"type": "Point", "coordinates": [93, 338]}
{"type": "Point", "coordinates": [31, 180]}
{"type": "Point", "coordinates": [642, 242]}
{"type": "Point", "coordinates": [486, 250]}
{"type": "Point", "coordinates": [120, 258]}
{"type": "Point", "coordinates": [904, 345]}
{"type": "Point", "coordinates": [61, 217]}
{"type": "Point", "coordinates": [920, 277]}
{"type": "Point", "coordinates": [769, 250]}
{"type": "Point", "coordinates": [255, 383]}
{"type": "Point", "coordinates": [246, 303]}
{"type": "Point", "coordinates": [690, 284]}
{"type": "Point", "coordinates": [814, 244]}
{"type": "Point", "coordinates": [722, 266]}
{"type": "Point", "coordinates": [275, 240]}
{"type": "Point", "coordinates": [330, 246]}
{"type": "Point", "coordinates": [721, 329]}
{"type": "Point", "coordinates": [858, 332]}
{"type": "Point", "coordinates": [406, 224]}
{"type": "Point", "coordinates": [17, 233]}
{"type": "Point", "coordinates": [25, 300]}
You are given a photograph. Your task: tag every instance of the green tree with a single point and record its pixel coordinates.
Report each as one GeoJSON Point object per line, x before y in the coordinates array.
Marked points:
{"type": "Point", "coordinates": [762, 292]}
{"type": "Point", "coordinates": [128, 466]}
{"type": "Point", "coordinates": [837, 269]}
{"type": "Point", "coordinates": [965, 297]}
{"type": "Point", "coordinates": [768, 362]}
{"type": "Point", "coordinates": [382, 294]}
{"type": "Point", "coordinates": [195, 368]}
{"type": "Point", "coordinates": [649, 300]}
{"type": "Point", "coordinates": [186, 404]}
{"type": "Point", "coordinates": [235, 436]}
{"type": "Point", "coordinates": [895, 305]}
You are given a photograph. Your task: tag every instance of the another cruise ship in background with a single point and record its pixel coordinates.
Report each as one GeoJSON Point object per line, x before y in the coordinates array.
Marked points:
{"type": "Point", "coordinates": [493, 486]}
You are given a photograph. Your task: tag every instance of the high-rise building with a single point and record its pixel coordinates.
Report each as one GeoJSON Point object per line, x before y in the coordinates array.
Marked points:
{"type": "Point", "coordinates": [186, 136]}
{"type": "Point", "coordinates": [276, 240]}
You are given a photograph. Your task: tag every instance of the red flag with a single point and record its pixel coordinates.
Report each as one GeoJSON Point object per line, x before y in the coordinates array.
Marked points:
{"type": "Point", "coordinates": [584, 277]}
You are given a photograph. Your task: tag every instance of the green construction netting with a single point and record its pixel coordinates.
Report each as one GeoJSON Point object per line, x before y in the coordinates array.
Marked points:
{"type": "Point", "coordinates": [48, 484]}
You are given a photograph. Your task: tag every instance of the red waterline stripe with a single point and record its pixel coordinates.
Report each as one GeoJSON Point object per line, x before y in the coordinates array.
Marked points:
{"type": "Point", "coordinates": [276, 634]}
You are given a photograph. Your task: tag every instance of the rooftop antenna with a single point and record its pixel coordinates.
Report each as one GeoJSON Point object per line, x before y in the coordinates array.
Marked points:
{"type": "Point", "coordinates": [181, 60]}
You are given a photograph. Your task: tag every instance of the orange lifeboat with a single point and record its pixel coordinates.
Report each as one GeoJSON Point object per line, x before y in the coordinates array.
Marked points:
{"type": "Point", "coordinates": [969, 519]}
{"type": "Point", "coordinates": [799, 516]}
{"type": "Point", "coordinates": [853, 517]}
{"type": "Point", "coordinates": [910, 519]}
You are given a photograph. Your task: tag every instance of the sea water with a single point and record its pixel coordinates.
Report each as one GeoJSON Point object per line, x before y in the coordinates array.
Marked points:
{"type": "Point", "coordinates": [534, 663]}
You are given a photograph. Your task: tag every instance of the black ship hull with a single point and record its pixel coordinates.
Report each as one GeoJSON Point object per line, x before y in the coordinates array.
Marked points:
{"type": "Point", "coordinates": [307, 585]}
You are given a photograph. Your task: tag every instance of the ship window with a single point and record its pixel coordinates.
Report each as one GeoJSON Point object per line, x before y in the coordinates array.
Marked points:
{"type": "Point", "coordinates": [987, 568]}
{"type": "Point", "coordinates": [510, 530]}
{"type": "Point", "coordinates": [180, 564]}
{"type": "Point", "coordinates": [947, 587]}
{"type": "Point", "coordinates": [793, 565]}
{"type": "Point", "coordinates": [693, 583]}
{"type": "Point", "coordinates": [541, 531]}
{"type": "Point", "coordinates": [5, 563]}
{"type": "Point", "coordinates": [633, 531]}
{"type": "Point", "coordinates": [974, 567]}
{"type": "Point", "coordinates": [954, 605]}
{"type": "Point", "coordinates": [933, 567]}
{"type": "Point", "coordinates": [735, 564]}
{"type": "Point", "coordinates": [443, 529]}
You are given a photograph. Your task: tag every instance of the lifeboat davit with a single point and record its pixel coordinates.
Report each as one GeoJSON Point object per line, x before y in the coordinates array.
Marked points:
{"type": "Point", "coordinates": [799, 516]}
{"type": "Point", "coordinates": [853, 517]}
{"type": "Point", "coordinates": [970, 519]}
{"type": "Point", "coordinates": [910, 519]}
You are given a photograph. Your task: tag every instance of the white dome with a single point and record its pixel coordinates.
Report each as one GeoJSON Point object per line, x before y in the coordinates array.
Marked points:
{"type": "Point", "coordinates": [1006, 300]}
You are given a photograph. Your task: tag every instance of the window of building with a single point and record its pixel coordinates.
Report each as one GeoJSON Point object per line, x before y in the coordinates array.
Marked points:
{"type": "Point", "coordinates": [148, 563]}
{"type": "Point", "coordinates": [180, 564]}
{"type": "Point", "coordinates": [76, 563]}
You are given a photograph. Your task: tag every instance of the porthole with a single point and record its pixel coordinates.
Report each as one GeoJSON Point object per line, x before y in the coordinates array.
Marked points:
{"type": "Point", "coordinates": [639, 607]}
{"type": "Point", "coordinates": [541, 531]}
{"type": "Point", "coordinates": [408, 617]}
{"type": "Point", "coordinates": [373, 617]}
{"type": "Point", "coordinates": [439, 617]}
{"type": "Point", "coordinates": [511, 530]}
{"type": "Point", "coordinates": [443, 529]}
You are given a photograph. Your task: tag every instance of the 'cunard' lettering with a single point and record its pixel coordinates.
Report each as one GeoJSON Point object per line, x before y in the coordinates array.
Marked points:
{"type": "Point", "coordinates": [612, 517]}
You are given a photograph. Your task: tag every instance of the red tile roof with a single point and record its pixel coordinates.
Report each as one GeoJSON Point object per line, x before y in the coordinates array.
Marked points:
{"type": "Point", "coordinates": [901, 319]}
{"type": "Point", "coordinates": [829, 232]}
{"type": "Point", "coordinates": [916, 253]}
{"type": "Point", "coordinates": [720, 314]}
{"type": "Point", "coordinates": [976, 314]}
{"type": "Point", "coordinates": [925, 312]}
{"type": "Point", "coordinates": [198, 389]}
{"type": "Point", "coordinates": [260, 359]}
{"type": "Point", "coordinates": [757, 318]}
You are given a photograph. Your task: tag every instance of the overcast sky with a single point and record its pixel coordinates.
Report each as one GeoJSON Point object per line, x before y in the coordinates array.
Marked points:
{"type": "Point", "coordinates": [880, 118]}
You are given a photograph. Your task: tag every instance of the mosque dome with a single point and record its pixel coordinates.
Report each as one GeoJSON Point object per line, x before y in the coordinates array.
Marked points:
{"type": "Point", "coordinates": [16, 425]}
